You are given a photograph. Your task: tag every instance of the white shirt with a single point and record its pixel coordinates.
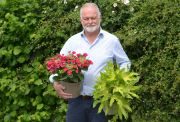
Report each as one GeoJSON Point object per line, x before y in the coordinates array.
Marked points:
{"type": "Point", "coordinates": [104, 49]}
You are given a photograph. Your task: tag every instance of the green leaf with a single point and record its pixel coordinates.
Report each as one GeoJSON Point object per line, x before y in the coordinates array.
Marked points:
{"type": "Point", "coordinates": [17, 50]}
{"type": "Point", "coordinates": [112, 99]}
{"type": "Point", "coordinates": [3, 52]}
{"type": "Point", "coordinates": [27, 49]}
{"type": "Point", "coordinates": [21, 59]}
{"type": "Point", "coordinates": [39, 106]}
{"type": "Point", "coordinates": [21, 102]}
{"type": "Point", "coordinates": [7, 118]}
{"type": "Point", "coordinates": [38, 82]}
{"type": "Point", "coordinates": [27, 69]}
{"type": "Point", "coordinates": [13, 113]}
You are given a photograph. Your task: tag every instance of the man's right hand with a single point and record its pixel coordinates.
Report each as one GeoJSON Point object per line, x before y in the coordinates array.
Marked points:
{"type": "Point", "coordinates": [60, 91]}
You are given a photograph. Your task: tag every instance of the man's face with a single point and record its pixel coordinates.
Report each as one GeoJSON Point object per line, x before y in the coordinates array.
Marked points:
{"type": "Point", "coordinates": [90, 19]}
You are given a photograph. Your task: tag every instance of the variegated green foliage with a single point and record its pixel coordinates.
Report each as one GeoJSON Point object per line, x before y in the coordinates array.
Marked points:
{"type": "Point", "coordinates": [114, 89]}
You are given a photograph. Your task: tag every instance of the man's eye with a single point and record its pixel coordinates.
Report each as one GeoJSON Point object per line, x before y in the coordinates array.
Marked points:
{"type": "Point", "coordinates": [91, 18]}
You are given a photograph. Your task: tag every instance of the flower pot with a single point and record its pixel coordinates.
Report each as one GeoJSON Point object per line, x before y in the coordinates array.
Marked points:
{"type": "Point", "coordinates": [72, 88]}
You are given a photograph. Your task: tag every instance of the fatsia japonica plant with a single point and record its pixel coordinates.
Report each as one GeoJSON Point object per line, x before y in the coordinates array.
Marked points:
{"type": "Point", "coordinates": [114, 90]}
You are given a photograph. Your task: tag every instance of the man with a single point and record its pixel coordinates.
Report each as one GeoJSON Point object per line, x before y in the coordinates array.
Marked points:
{"type": "Point", "coordinates": [101, 48]}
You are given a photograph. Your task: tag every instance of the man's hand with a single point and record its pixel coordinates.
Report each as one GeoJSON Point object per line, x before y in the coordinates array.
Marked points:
{"type": "Point", "coordinates": [60, 91]}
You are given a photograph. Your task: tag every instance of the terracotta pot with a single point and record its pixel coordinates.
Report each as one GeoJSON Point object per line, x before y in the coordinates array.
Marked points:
{"type": "Point", "coordinates": [72, 88]}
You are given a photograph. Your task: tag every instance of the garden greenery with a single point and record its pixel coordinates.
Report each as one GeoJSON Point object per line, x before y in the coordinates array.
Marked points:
{"type": "Point", "coordinates": [33, 30]}
{"type": "Point", "coordinates": [119, 88]}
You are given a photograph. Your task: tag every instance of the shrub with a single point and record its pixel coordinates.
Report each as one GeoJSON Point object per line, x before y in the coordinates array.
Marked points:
{"type": "Point", "coordinates": [152, 40]}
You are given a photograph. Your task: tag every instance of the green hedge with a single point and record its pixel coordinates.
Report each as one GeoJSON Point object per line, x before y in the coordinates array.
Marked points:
{"type": "Point", "coordinates": [33, 30]}
{"type": "Point", "coordinates": [152, 39]}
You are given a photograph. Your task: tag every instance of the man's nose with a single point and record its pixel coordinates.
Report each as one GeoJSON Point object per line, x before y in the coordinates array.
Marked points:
{"type": "Point", "coordinates": [90, 20]}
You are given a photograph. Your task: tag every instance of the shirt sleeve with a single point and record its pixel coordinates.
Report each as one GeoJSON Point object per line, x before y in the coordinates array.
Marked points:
{"type": "Point", "coordinates": [120, 56]}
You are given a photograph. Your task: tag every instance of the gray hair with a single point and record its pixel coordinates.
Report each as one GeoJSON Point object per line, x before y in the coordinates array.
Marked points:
{"type": "Point", "coordinates": [90, 5]}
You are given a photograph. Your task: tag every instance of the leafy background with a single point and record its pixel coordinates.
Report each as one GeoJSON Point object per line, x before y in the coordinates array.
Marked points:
{"type": "Point", "coordinates": [33, 30]}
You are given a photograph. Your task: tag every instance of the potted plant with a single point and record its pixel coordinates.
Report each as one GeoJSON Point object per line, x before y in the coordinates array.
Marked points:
{"type": "Point", "coordinates": [114, 89]}
{"type": "Point", "coordinates": [68, 70]}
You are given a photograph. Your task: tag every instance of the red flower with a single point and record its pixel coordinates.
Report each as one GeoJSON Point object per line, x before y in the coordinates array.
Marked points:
{"type": "Point", "coordinates": [68, 67]}
{"type": "Point", "coordinates": [85, 54]}
{"type": "Point", "coordinates": [69, 72]}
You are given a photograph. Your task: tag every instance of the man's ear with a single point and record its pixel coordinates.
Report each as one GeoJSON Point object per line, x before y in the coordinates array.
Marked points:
{"type": "Point", "coordinates": [80, 20]}
{"type": "Point", "coordinates": [100, 19]}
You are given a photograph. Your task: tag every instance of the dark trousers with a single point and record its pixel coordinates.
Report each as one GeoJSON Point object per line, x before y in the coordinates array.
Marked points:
{"type": "Point", "coordinates": [81, 110]}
